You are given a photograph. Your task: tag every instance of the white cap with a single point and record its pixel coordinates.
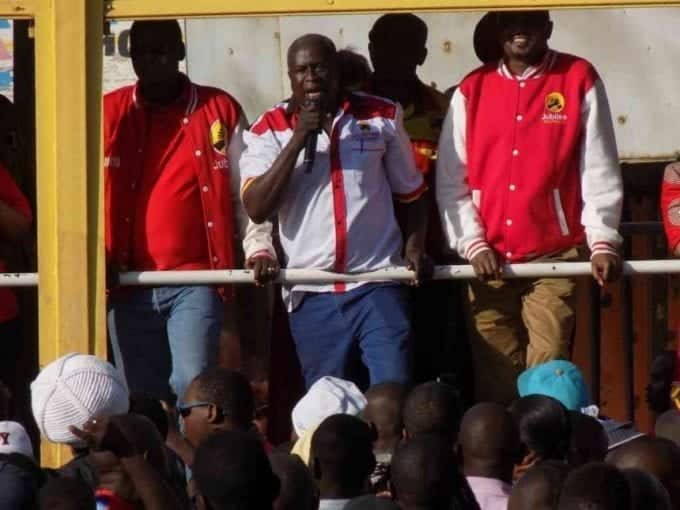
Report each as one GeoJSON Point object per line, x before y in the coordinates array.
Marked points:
{"type": "Point", "coordinates": [14, 439]}
{"type": "Point", "coordinates": [326, 397]}
{"type": "Point", "coordinates": [74, 389]}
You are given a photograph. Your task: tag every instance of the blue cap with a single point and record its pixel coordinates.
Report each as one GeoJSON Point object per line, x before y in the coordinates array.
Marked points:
{"type": "Point", "coordinates": [559, 379]}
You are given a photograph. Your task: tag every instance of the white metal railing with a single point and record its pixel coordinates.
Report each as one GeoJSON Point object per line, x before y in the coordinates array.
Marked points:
{"type": "Point", "coordinates": [457, 272]}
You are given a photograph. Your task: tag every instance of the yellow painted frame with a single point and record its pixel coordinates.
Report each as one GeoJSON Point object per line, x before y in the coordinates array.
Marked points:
{"type": "Point", "coordinates": [68, 66]}
{"type": "Point", "coordinates": [69, 163]}
{"type": "Point", "coordinates": [135, 9]}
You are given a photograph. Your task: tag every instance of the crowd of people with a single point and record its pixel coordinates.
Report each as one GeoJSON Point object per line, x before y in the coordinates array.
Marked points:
{"type": "Point", "coordinates": [393, 447]}
{"type": "Point", "coordinates": [360, 169]}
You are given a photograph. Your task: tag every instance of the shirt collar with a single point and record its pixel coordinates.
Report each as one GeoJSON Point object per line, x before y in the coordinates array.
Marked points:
{"type": "Point", "coordinates": [187, 100]}
{"type": "Point", "coordinates": [532, 71]}
{"type": "Point", "coordinates": [333, 504]}
{"type": "Point", "coordinates": [291, 108]}
{"type": "Point", "coordinates": [488, 485]}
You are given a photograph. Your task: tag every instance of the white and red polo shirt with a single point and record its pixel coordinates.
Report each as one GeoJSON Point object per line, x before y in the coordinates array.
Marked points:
{"type": "Point", "coordinates": [528, 165]}
{"type": "Point", "coordinates": [340, 216]}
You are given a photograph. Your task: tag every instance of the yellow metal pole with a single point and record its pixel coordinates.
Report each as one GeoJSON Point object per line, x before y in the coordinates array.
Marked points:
{"type": "Point", "coordinates": [68, 38]}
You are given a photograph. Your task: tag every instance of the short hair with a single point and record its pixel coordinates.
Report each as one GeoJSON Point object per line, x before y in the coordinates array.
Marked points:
{"type": "Point", "coordinates": [489, 434]}
{"type": "Point", "coordinates": [342, 448]}
{"type": "Point", "coordinates": [657, 456]}
{"type": "Point", "coordinates": [298, 491]}
{"type": "Point", "coordinates": [595, 486]}
{"type": "Point", "coordinates": [589, 442]}
{"type": "Point", "coordinates": [354, 69]}
{"type": "Point", "coordinates": [422, 473]}
{"type": "Point", "coordinates": [309, 39]}
{"type": "Point", "coordinates": [646, 491]}
{"type": "Point", "coordinates": [658, 391]}
{"type": "Point", "coordinates": [231, 471]}
{"type": "Point", "coordinates": [544, 425]}
{"type": "Point", "coordinates": [152, 409]}
{"type": "Point", "coordinates": [167, 28]}
{"type": "Point", "coordinates": [433, 408]}
{"type": "Point", "coordinates": [405, 24]}
{"type": "Point", "coordinates": [540, 487]}
{"type": "Point", "coordinates": [67, 493]}
{"type": "Point", "coordinates": [384, 408]}
{"type": "Point", "coordinates": [230, 392]}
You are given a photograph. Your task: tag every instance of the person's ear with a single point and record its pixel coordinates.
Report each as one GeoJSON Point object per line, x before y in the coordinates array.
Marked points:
{"type": "Point", "coordinates": [458, 452]}
{"type": "Point", "coordinates": [549, 30]}
{"type": "Point", "coordinates": [422, 57]}
{"type": "Point", "coordinates": [525, 464]}
{"type": "Point", "coordinates": [215, 415]}
{"type": "Point", "coordinates": [181, 52]}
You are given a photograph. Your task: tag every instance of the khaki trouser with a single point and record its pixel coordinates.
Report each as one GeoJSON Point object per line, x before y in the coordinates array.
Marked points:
{"type": "Point", "coordinates": [517, 324]}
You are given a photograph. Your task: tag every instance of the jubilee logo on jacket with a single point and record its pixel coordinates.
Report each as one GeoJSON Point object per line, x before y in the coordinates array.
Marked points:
{"type": "Point", "coordinates": [218, 140]}
{"type": "Point", "coordinates": [554, 105]}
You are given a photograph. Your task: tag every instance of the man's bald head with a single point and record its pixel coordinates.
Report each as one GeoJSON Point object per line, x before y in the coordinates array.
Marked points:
{"type": "Point", "coordinates": [433, 408]}
{"type": "Point", "coordinates": [489, 441]}
{"type": "Point", "coordinates": [659, 457]}
{"type": "Point", "coordinates": [540, 487]}
{"type": "Point", "coordinates": [595, 486]}
{"type": "Point", "coordinates": [312, 41]}
{"type": "Point", "coordinates": [646, 491]}
{"type": "Point", "coordinates": [384, 410]}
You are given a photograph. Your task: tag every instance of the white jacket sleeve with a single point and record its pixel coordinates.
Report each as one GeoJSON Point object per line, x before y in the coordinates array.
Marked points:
{"type": "Point", "coordinates": [256, 239]}
{"type": "Point", "coordinates": [459, 215]}
{"type": "Point", "coordinates": [601, 180]}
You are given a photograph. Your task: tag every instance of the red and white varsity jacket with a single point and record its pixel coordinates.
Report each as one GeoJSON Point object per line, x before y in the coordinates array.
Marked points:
{"type": "Point", "coordinates": [214, 125]}
{"type": "Point", "coordinates": [528, 164]}
{"type": "Point", "coordinates": [670, 204]}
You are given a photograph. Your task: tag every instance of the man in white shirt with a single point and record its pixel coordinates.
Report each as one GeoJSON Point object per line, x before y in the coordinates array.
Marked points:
{"type": "Point", "coordinates": [336, 213]}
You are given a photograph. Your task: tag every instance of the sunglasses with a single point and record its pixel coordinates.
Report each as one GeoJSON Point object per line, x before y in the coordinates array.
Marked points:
{"type": "Point", "coordinates": [185, 409]}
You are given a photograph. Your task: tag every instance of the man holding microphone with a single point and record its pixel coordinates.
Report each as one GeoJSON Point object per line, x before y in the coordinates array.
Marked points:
{"type": "Point", "coordinates": [328, 165]}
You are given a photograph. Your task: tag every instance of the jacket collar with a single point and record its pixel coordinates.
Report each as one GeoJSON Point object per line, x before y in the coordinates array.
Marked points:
{"type": "Point", "coordinates": [188, 99]}
{"type": "Point", "coordinates": [535, 72]}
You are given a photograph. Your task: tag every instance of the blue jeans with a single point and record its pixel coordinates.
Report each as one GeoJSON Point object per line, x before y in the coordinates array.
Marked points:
{"type": "Point", "coordinates": [163, 337]}
{"type": "Point", "coordinates": [332, 329]}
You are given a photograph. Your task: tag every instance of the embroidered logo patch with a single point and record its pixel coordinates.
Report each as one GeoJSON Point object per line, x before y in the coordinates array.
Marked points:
{"type": "Point", "coordinates": [554, 105]}
{"type": "Point", "coordinates": [554, 102]}
{"type": "Point", "coordinates": [217, 138]}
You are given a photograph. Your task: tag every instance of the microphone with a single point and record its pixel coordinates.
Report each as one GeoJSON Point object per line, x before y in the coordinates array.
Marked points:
{"type": "Point", "coordinates": [313, 104]}
{"type": "Point", "coordinates": [310, 150]}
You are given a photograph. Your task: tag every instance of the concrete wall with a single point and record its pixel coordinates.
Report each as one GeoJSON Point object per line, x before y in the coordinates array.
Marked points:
{"type": "Point", "coordinates": [635, 50]}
